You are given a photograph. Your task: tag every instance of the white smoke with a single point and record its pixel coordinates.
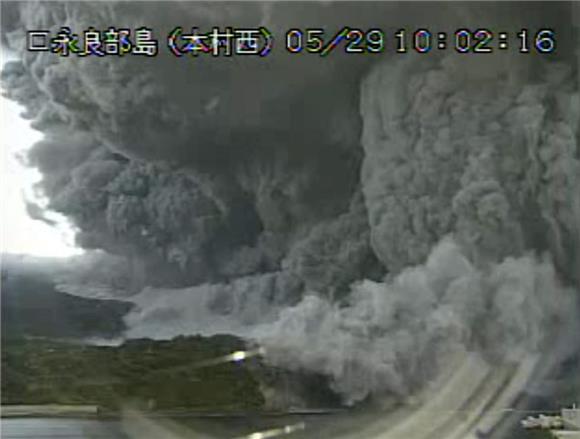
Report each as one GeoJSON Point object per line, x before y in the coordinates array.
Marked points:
{"type": "Point", "coordinates": [386, 337]}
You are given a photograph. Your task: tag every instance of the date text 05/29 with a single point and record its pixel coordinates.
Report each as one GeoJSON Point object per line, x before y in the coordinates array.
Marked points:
{"type": "Point", "coordinates": [374, 40]}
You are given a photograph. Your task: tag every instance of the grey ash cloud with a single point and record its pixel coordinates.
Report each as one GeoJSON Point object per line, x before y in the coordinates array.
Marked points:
{"type": "Point", "coordinates": [357, 215]}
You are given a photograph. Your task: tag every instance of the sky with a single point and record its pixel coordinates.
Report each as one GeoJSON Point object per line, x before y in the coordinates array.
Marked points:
{"type": "Point", "coordinates": [20, 233]}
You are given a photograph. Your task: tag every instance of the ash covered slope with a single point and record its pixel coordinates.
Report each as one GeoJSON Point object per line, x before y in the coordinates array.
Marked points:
{"type": "Point", "coordinates": [33, 306]}
{"type": "Point", "coordinates": [265, 188]}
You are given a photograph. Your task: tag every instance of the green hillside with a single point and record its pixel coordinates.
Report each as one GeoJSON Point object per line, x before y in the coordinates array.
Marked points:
{"type": "Point", "coordinates": [156, 374]}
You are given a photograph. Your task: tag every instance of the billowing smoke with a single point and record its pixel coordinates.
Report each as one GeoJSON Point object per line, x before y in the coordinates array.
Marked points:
{"type": "Point", "coordinates": [385, 336]}
{"type": "Point", "coordinates": [359, 216]}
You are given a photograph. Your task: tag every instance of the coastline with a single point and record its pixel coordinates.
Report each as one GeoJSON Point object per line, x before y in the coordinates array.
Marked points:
{"type": "Point", "coordinates": [94, 411]}
{"type": "Point", "coordinates": [48, 411]}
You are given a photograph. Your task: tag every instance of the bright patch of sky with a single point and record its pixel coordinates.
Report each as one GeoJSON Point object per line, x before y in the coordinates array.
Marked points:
{"type": "Point", "coordinates": [20, 233]}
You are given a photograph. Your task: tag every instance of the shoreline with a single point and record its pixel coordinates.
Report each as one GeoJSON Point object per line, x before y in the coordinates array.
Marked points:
{"type": "Point", "coordinates": [95, 412]}
{"type": "Point", "coordinates": [48, 411]}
